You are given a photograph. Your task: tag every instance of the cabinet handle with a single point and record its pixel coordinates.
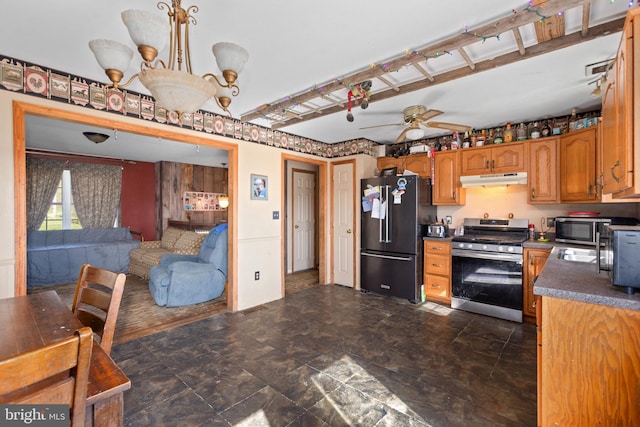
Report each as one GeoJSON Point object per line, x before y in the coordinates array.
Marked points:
{"type": "Point", "coordinates": [534, 303]}
{"type": "Point", "coordinates": [486, 165]}
{"type": "Point", "coordinates": [436, 265]}
{"type": "Point", "coordinates": [533, 193]}
{"type": "Point", "coordinates": [613, 173]}
{"type": "Point", "coordinates": [454, 195]}
{"type": "Point", "coordinates": [435, 248]}
{"type": "Point", "coordinates": [493, 164]}
{"type": "Point", "coordinates": [433, 285]}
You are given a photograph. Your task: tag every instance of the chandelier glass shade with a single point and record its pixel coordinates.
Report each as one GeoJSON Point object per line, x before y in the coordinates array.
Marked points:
{"type": "Point", "coordinates": [172, 83]}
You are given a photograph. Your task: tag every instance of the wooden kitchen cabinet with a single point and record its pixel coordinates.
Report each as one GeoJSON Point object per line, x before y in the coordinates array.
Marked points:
{"type": "Point", "coordinates": [437, 271]}
{"type": "Point", "coordinates": [493, 159]}
{"type": "Point", "coordinates": [446, 179]}
{"type": "Point", "coordinates": [419, 163]}
{"type": "Point", "coordinates": [578, 167]}
{"type": "Point", "coordinates": [588, 366]}
{"type": "Point", "coordinates": [542, 180]}
{"type": "Point", "coordinates": [535, 259]}
{"type": "Point", "coordinates": [618, 103]}
{"type": "Point", "coordinates": [390, 162]}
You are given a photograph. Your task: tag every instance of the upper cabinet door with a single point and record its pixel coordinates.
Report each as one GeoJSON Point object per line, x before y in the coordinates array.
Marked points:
{"type": "Point", "coordinates": [508, 158]}
{"type": "Point", "coordinates": [542, 181]}
{"type": "Point", "coordinates": [578, 167]}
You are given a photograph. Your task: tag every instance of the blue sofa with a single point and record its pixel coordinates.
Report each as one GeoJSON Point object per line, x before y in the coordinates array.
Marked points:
{"type": "Point", "coordinates": [191, 279]}
{"type": "Point", "coordinates": [55, 256]}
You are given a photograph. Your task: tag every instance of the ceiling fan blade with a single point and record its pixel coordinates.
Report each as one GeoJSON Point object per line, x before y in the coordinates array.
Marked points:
{"type": "Point", "coordinates": [402, 136]}
{"type": "Point", "coordinates": [429, 114]}
{"type": "Point", "coordinates": [449, 126]}
{"type": "Point", "coordinates": [379, 126]}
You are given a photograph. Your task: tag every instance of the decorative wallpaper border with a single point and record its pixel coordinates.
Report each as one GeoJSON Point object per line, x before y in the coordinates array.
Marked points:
{"type": "Point", "coordinates": [36, 80]}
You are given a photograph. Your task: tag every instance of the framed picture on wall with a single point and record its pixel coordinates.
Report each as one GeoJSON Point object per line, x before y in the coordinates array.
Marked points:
{"type": "Point", "coordinates": [259, 187]}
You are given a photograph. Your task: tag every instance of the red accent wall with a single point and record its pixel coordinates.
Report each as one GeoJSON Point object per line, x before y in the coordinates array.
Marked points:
{"type": "Point", "coordinates": [138, 208]}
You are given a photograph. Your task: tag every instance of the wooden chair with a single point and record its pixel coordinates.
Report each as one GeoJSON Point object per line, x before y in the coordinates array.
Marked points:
{"type": "Point", "coordinates": [57, 373]}
{"type": "Point", "coordinates": [97, 301]}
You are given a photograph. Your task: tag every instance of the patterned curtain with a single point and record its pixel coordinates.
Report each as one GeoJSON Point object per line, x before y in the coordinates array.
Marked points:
{"type": "Point", "coordinates": [43, 177]}
{"type": "Point", "coordinates": [96, 193]}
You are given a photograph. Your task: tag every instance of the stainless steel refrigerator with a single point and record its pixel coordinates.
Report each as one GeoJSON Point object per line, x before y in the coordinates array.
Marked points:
{"type": "Point", "coordinates": [393, 212]}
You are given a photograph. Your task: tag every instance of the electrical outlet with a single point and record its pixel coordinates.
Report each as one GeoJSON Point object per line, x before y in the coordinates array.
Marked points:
{"type": "Point", "coordinates": [551, 222]}
{"type": "Point", "coordinates": [256, 275]}
{"type": "Point", "coordinates": [448, 219]}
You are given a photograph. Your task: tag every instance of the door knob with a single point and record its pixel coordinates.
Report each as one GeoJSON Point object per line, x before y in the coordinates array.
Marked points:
{"type": "Point", "coordinates": [295, 226]}
{"type": "Point", "coordinates": [349, 231]}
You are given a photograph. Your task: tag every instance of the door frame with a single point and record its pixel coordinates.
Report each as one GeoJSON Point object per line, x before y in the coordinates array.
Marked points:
{"type": "Point", "coordinates": [322, 218]}
{"type": "Point", "coordinates": [22, 109]}
{"type": "Point", "coordinates": [315, 216]}
{"type": "Point", "coordinates": [356, 285]}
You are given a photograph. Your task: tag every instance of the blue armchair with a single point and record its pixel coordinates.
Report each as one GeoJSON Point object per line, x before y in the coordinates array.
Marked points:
{"type": "Point", "coordinates": [190, 279]}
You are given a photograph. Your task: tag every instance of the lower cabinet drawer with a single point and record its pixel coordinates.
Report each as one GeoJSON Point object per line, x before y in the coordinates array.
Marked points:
{"type": "Point", "coordinates": [437, 287]}
{"type": "Point", "coordinates": [438, 264]}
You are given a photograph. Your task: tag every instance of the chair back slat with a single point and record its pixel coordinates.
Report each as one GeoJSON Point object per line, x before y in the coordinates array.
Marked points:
{"type": "Point", "coordinates": [96, 298]}
{"type": "Point", "coordinates": [97, 301]}
{"type": "Point", "coordinates": [57, 373]}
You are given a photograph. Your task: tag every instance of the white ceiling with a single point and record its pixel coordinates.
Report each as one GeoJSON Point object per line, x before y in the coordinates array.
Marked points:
{"type": "Point", "coordinates": [295, 46]}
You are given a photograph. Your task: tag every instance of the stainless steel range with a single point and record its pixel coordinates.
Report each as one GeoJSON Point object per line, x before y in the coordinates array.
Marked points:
{"type": "Point", "coordinates": [487, 267]}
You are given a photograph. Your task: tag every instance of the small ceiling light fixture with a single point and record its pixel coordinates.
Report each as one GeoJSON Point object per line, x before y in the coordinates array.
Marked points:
{"type": "Point", "coordinates": [173, 87]}
{"type": "Point", "coordinates": [96, 137]}
{"type": "Point", "coordinates": [223, 201]}
{"type": "Point", "coordinates": [415, 133]}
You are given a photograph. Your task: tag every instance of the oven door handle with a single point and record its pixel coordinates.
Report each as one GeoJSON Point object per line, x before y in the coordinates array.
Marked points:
{"type": "Point", "coordinates": [495, 256]}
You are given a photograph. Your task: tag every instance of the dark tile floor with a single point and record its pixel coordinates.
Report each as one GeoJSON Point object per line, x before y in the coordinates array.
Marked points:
{"type": "Point", "coordinates": [333, 356]}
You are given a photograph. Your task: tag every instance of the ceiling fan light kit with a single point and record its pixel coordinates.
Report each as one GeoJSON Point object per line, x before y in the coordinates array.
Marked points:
{"type": "Point", "coordinates": [417, 117]}
{"type": "Point", "coordinates": [171, 82]}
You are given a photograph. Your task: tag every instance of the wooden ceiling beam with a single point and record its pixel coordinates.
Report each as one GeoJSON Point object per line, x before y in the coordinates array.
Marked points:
{"type": "Point", "coordinates": [467, 58]}
{"type": "Point", "coordinates": [423, 71]}
{"type": "Point", "coordinates": [388, 83]}
{"type": "Point", "coordinates": [518, 36]}
{"type": "Point", "coordinates": [586, 17]}
{"type": "Point", "coordinates": [515, 56]}
{"type": "Point", "coordinates": [499, 26]}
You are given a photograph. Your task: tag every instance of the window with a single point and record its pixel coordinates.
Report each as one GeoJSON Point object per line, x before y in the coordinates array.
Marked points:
{"type": "Point", "coordinates": [62, 214]}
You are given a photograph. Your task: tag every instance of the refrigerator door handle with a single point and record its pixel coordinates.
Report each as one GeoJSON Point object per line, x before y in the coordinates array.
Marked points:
{"type": "Point", "coordinates": [399, 258]}
{"type": "Point", "coordinates": [386, 214]}
{"type": "Point", "coordinates": [380, 240]}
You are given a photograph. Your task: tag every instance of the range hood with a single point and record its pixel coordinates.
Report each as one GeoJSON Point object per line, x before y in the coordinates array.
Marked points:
{"type": "Point", "coordinates": [494, 179]}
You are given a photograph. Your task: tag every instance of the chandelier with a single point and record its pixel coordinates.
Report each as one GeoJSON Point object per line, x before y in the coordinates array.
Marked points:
{"type": "Point", "coordinates": [172, 83]}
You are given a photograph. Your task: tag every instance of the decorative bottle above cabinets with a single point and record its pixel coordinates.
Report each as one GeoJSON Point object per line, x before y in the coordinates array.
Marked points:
{"type": "Point", "coordinates": [508, 133]}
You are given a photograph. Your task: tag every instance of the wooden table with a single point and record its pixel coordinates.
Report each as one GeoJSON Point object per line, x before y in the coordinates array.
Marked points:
{"type": "Point", "coordinates": [31, 321]}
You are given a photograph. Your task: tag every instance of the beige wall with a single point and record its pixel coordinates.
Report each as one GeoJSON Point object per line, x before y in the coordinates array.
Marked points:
{"type": "Point", "coordinates": [500, 201]}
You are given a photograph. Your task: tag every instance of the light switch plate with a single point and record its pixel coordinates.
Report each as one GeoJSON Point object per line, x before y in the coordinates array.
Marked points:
{"type": "Point", "coordinates": [276, 214]}
{"type": "Point", "coordinates": [448, 219]}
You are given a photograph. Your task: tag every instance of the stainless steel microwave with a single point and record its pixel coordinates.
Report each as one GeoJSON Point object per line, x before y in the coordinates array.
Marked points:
{"type": "Point", "coordinates": [586, 230]}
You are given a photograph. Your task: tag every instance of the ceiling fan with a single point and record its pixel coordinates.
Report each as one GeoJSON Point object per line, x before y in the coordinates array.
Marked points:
{"type": "Point", "coordinates": [417, 116]}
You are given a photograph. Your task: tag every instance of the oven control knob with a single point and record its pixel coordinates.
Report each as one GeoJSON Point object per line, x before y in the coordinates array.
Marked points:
{"type": "Point", "coordinates": [500, 249]}
{"type": "Point", "coordinates": [484, 247]}
{"type": "Point", "coordinates": [470, 246]}
{"type": "Point", "coordinates": [461, 245]}
{"type": "Point", "coordinates": [510, 249]}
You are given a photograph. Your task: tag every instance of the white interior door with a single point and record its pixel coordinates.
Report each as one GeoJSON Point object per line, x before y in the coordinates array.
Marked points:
{"type": "Point", "coordinates": [344, 231]}
{"type": "Point", "coordinates": [304, 185]}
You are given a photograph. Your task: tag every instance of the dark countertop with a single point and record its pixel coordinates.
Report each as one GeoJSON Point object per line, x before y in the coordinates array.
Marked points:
{"type": "Point", "coordinates": [579, 281]}
{"type": "Point", "coordinates": [438, 239]}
